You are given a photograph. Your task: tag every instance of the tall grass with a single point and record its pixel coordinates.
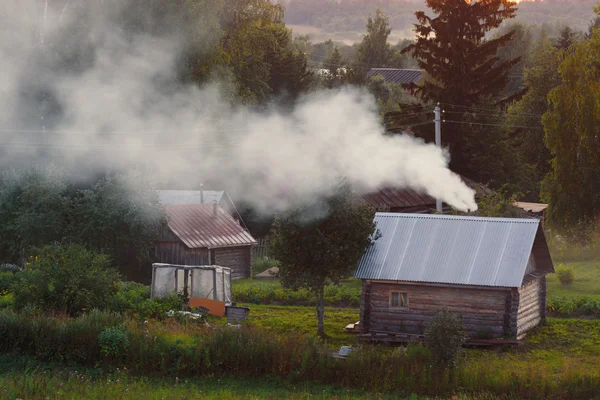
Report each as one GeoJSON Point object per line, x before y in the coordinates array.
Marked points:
{"type": "Point", "coordinates": [253, 352]}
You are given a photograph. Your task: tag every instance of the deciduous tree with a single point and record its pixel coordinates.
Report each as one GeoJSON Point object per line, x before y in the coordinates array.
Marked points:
{"type": "Point", "coordinates": [524, 119]}
{"type": "Point", "coordinates": [572, 127]}
{"type": "Point", "coordinates": [374, 50]}
{"type": "Point", "coordinates": [321, 244]}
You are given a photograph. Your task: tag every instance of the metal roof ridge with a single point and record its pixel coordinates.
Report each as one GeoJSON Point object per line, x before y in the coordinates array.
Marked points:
{"type": "Point", "coordinates": [396, 69]}
{"type": "Point", "coordinates": [458, 217]}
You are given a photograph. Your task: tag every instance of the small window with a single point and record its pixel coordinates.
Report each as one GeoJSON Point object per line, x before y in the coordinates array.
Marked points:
{"type": "Point", "coordinates": [398, 300]}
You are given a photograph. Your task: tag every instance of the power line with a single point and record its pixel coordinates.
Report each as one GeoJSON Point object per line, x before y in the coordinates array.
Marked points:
{"type": "Point", "coordinates": [500, 125]}
{"type": "Point", "coordinates": [486, 109]}
{"type": "Point", "coordinates": [498, 114]}
{"type": "Point", "coordinates": [412, 115]}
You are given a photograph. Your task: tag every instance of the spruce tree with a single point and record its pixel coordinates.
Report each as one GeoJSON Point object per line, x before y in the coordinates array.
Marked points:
{"type": "Point", "coordinates": [461, 71]}
{"type": "Point", "coordinates": [566, 38]}
{"type": "Point", "coordinates": [460, 65]}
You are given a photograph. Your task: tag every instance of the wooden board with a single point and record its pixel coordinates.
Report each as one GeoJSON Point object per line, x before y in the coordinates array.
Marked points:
{"type": "Point", "coordinates": [214, 307]}
{"type": "Point", "coordinates": [235, 315]}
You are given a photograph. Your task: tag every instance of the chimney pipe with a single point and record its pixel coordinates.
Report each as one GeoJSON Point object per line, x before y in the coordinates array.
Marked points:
{"type": "Point", "coordinates": [214, 209]}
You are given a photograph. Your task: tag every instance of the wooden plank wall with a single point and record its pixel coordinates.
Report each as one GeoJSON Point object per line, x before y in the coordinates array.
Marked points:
{"type": "Point", "coordinates": [531, 309]}
{"type": "Point", "coordinates": [177, 253]}
{"type": "Point", "coordinates": [261, 249]}
{"type": "Point", "coordinates": [483, 310]}
{"type": "Point", "coordinates": [236, 258]}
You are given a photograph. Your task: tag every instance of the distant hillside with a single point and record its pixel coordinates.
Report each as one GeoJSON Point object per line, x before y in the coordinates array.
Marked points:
{"type": "Point", "coordinates": [345, 19]}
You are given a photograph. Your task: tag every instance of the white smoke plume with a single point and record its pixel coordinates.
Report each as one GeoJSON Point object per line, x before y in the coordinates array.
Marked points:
{"type": "Point", "coordinates": [124, 108]}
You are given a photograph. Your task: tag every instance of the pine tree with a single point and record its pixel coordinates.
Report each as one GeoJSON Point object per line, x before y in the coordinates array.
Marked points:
{"type": "Point", "coordinates": [461, 66]}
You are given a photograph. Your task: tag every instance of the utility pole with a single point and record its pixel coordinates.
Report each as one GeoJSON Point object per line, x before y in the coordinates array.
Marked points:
{"type": "Point", "coordinates": [438, 142]}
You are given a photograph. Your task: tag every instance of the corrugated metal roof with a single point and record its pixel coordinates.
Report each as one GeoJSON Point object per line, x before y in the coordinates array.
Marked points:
{"type": "Point", "coordinates": [195, 225]}
{"type": "Point", "coordinates": [450, 249]}
{"type": "Point", "coordinates": [408, 198]}
{"type": "Point", "coordinates": [189, 196]}
{"type": "Point", "coordinates": [397, 75]}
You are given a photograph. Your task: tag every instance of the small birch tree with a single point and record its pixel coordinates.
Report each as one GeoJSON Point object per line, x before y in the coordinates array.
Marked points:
{"type": "Point", "coordinates": [321, 244]}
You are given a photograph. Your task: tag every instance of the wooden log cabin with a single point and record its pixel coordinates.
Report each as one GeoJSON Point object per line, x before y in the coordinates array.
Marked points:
{"type": "Point", "coordinates": [490, 271]}
{"type": "Point", "coordinates": [205, 234]}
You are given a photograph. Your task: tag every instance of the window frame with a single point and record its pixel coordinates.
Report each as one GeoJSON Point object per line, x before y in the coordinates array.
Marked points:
{"type": "Point", "coordinates": [403, 301]}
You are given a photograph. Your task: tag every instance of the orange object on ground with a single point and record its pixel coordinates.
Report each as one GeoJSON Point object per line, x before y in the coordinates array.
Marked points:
{"type": "Point", "coordinates": [214, 307]}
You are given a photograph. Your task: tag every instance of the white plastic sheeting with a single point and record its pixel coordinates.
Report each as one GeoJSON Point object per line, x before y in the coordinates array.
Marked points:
{"type": "Point", "coordinates": [203, 281]}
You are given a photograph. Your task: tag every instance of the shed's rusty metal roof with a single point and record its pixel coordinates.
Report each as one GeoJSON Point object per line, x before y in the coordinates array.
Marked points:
{"type": "Point", "coordinates": [397, 75]}
{"type": "Point", "coordinates": [405, 199]}
{"type": "Point", "coordinates": [195, 225]}
{"type": "Point", "coordinates": [452, 249]}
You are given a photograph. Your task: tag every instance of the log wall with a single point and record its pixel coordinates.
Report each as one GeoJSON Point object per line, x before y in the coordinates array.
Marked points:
{"type": "Point", "coordinates": [532, 305]}
{"type": "Point", "coordinates": [177, 253]}
{"type": "Point", "coordinates": [483, 309]}
{"type": "Point", "coordinates": [236, 258]}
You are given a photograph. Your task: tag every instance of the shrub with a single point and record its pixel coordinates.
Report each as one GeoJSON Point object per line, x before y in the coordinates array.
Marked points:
{"type": "Point", "coordinates": [7, 280]}
{"type": "Point", "coordinates": [566, 275]}
{"type": "Point", "coordinates": [67, 279]}
{"type": "Point", "coordinates": [129, 296]}
{"type": "Point", "coordinates": [7, 300]}
{"type": "Point", "coordinates": [445, 336]}
{"type": "Point", "coordinates": [590, 306]}
{"type": "Point", "coordinates": [134, 300]}
{"type": "Point", "coordinates": [564, 306]}
{"type": "Point", "coordinates": [114, 341]}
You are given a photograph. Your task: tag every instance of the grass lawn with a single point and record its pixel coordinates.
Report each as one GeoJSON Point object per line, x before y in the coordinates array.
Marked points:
{"type": "Point", "coordinates": [292, 319]}
{"type": "Point", "coordinates": [270, 292]}
{"type": "Point", "coordinates": [586, 284]}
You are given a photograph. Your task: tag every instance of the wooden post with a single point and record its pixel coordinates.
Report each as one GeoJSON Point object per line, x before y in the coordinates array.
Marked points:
{"type": "Point", "coordinates": [365, 306]}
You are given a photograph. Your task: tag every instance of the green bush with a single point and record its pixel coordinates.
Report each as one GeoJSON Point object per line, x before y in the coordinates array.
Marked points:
{"type": "Point", "coordinates": [134, 300]}
{"type": "Point", "coordinates": [566, 275]}
{"type": "Point", "coordinates": [590, 307]}
{"type": "Point", "coordinates": [568, 306]}
{"type": "Point", "coordinates": [129, 296]}
{"type": "Point", "coordinates": [7, 280]}
{"type": "Point", "coordinates": [445, 336]}
{"type": "Point", "coordinates": [7, 300]}
{"type": "Point", "coordinates": [114, 341]}
{"type": "Point", "coordinates": [67, 279]}
{"type": "Point", "coordinates": [260, 265]}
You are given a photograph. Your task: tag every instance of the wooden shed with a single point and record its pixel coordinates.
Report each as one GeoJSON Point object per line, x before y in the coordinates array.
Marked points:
{"type": "Point", "coordinates": [491, 271]}
{"type": "Point", "coordinates": [205, 234]}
